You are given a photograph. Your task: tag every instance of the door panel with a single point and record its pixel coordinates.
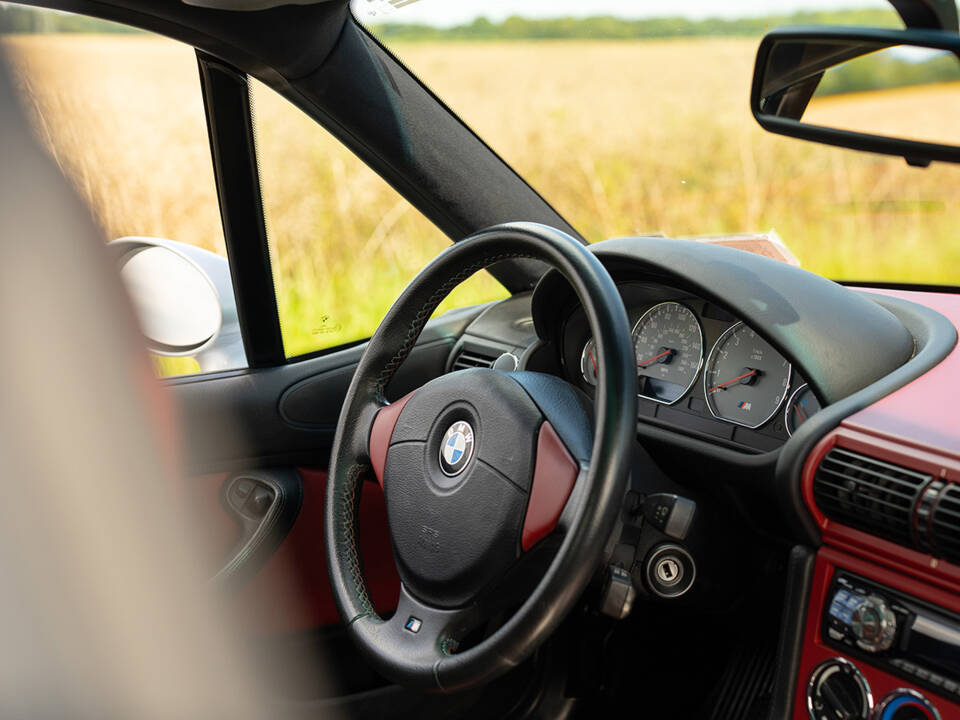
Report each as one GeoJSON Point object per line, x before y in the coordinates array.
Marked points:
{"type": "Point", "coordinates": [245, 423]}
{"type": "Point", "coordinates": [236, 421]}
{"type": "Point", "coordinates": [291, 593]}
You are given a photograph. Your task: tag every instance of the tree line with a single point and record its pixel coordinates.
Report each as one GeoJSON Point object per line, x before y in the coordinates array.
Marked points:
{"type": "Point", "coordinates": [613, 28]}
{"type": "Point", "coordinates": [18, 19]}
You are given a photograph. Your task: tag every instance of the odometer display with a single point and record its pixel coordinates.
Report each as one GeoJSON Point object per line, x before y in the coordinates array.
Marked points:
{"type": "Point", "coordinates": [746, 379]}
{"type": "Point", "coordinates": [668, 343]}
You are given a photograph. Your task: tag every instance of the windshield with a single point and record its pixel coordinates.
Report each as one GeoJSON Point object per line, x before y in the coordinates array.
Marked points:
{"type": "Point", "coordinates": [632, 118]}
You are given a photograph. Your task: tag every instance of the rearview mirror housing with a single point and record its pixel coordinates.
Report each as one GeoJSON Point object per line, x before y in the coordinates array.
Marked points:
{"type": "Point", "coordinates": [853, 74]}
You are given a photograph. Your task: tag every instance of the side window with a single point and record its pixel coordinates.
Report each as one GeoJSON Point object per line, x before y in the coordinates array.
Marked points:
{"type": "Point", "coordinates": [343, 243]}
{"type": "Point", "coordinates": [121, 112]}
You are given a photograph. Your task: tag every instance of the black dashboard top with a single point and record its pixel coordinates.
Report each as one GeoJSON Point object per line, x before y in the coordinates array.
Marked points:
{"type": "Point", "coordinates": [838, 339]}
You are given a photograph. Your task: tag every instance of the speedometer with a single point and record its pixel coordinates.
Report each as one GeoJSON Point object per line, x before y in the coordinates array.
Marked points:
{"type": "Point", "coordinates": [668, 343]}
{"type": "Point", "coordinates": [746, 379]}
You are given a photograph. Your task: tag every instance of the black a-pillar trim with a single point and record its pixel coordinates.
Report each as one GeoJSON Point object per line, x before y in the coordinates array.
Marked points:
{"type": "Point", "coordinates": [226, 100]}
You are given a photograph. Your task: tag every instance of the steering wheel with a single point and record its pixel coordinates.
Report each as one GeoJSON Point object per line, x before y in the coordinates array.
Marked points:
{"type": "Point", "coordinates": [480, 468]}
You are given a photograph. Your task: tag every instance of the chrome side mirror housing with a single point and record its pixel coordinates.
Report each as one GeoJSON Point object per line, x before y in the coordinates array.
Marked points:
{"type": "Point", "coordinates": [183, 298]}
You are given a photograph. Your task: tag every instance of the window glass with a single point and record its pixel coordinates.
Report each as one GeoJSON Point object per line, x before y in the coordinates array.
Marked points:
{"type": "Point", "coordinates": [122, 114]}
{"type": "Point", "coordinates": [343, 243]}
{"type": "Point", "coordinates": [633, 118]}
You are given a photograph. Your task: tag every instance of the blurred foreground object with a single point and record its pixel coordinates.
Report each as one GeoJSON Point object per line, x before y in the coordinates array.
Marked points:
{"type": "Point", "coordinates": [104, 610]}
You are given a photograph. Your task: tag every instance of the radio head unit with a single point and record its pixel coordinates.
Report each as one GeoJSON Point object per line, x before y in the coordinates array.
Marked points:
{"type": "Point", "coordinates": [893, 631]}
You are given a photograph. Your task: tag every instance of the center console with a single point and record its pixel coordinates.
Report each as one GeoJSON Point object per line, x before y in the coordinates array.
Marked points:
{"type": "Point", "coordinates": [901, 634]}
{"type": "Point", "coordinates": [877, 646]}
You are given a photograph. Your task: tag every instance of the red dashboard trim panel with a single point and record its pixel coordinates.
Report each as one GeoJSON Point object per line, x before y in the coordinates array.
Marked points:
{"type": "Point", "coordinates": [815, 651]}
{"type": "Point", "coordinates": [882, 551]}
{"type": "Point", "coordinates": [924, 414]}
{"type": "Point", "coordinates": [918, 427]}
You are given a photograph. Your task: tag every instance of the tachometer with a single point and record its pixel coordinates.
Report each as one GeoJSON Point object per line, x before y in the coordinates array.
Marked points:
{"type": "Point", "coordinates": [668, 342]}
{"type": "Point", "coordinates": [746, 379]}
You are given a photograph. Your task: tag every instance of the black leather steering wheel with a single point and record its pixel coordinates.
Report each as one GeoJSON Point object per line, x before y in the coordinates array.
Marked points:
{"type": "Point", "coordinates": [480, 469]}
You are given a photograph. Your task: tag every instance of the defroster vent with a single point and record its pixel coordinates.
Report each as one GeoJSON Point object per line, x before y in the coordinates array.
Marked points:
{"type": "Point", "coordinates": [870, 495]}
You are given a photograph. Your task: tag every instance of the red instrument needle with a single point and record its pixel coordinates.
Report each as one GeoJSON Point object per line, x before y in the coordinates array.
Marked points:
{"type": "Point", "coordinates": [739, 377]}
{"type": "Point", "coordinates": [655, 357]}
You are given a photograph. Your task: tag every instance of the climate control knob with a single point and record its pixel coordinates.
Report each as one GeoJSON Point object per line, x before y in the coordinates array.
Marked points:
{"type": "Point", "coordinates": [837, 691]}
{"type": "Point", "coordinates": [873, 624]}
{"type": "Point", "coordinates": [906, 705]}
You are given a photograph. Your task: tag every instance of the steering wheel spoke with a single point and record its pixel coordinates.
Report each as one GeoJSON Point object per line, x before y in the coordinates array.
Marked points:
{"type": "Point", "coordinates": [555, 477]}
{"type": "Point", "coordinates": [382, 424]}
{"type": "Point", "coordinates": [420, 633]}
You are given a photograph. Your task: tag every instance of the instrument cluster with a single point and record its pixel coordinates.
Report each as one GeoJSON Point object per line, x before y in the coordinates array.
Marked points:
{"type": "Point", "coordinates": [701, 369]}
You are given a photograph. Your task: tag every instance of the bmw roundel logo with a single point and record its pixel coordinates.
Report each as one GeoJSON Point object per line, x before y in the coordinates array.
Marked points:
{"type": "Point", "coordinates": [456, 448]}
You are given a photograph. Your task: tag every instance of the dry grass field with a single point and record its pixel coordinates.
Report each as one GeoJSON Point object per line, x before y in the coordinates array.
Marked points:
{"type": "Point", "coordinates": [923, 112]}
{"type": "Point", "coordinates": [623, 138]}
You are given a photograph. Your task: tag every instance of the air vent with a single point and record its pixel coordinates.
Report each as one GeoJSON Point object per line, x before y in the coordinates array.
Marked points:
{"type": "Point", "coordinates": [945, 524]}
{"type": "Point", "coordinates": [869, 494]}
{"type": "Point", "coordinates": [473, 359]}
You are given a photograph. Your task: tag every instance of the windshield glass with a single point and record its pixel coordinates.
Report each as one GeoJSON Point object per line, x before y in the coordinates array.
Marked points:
{"type": "Point", "coordinates": [633, 118]}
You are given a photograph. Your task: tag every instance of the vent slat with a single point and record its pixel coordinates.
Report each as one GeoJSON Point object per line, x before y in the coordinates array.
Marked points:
{"type": "Point", "coordinates": [837, 453]}
{"type": "Point", "coordinates": [868, 494]}
{"type": "Point", "coordinates": [864, 490]}
{"type": "Point", "coordinates": [945, 523]}
{"type": "Point", "coordinates": [909, 497]}
{"type": "Point", "coordinates": [467, 359]}
{"type": "Point", "coordinates": [908, 485]}
{"type": "Point", "coordinates": [947, 513]}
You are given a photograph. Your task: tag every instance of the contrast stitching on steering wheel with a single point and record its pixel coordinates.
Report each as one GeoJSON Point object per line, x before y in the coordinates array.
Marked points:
{"type": "Point", "coordinates": [348, 500]}
{"type": "Point", "coordinates": [348, 504]}
{"type": "Point", "coordinates": [420, 319]}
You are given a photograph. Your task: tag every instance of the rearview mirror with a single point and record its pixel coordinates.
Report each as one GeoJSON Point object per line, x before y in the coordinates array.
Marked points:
{"type": "Point", "coordinates": [895, 92]}
{"type": "Point", "coordinates": [183, 298]}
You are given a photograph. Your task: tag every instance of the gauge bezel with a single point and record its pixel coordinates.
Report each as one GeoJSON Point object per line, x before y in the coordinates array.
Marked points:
{"type": "Point", "coordinates": [706, 370]}
{"type": "Point", "coordinates": [583, 356]}
{"type": "Point", "coordinates": [633, 342]}
{"type": "Point", "coordinates": [786, 410]}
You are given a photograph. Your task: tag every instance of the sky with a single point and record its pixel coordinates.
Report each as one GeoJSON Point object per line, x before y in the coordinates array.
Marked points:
{"type": "Point", "coordinates": [445, 13]}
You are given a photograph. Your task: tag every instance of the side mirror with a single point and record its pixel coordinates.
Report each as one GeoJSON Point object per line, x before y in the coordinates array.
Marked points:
{"type": "Point", "coordinates": [183, 298]}
{"type": "Point", "coordinates": [895, 92]}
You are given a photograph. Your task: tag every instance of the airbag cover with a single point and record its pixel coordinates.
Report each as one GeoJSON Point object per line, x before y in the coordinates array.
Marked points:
{"type": "Point", "coordinates": [453, 534]}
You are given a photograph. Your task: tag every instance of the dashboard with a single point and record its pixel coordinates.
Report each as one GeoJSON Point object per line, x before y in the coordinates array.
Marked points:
{"type": "Point", "coordinates": [700, 370]}
{"type": "Point", "coordinates": [828, 417]}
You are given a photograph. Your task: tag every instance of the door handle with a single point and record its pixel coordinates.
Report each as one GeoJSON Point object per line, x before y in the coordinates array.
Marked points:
{"type": "Point", "coordinates": [265, 503]}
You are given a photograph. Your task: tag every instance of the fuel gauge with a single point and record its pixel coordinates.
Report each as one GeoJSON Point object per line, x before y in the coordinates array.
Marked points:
{"type": "Point", "coordinates": [802, 405]}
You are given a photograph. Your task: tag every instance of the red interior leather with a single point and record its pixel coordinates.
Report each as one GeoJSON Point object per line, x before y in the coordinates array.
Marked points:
{"type": "Point", "coordinates": [381, 432]}
{"type": "Point", "coordinates": [554, 475]}
{"type": "Point", "coordinates": [291, 593]}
